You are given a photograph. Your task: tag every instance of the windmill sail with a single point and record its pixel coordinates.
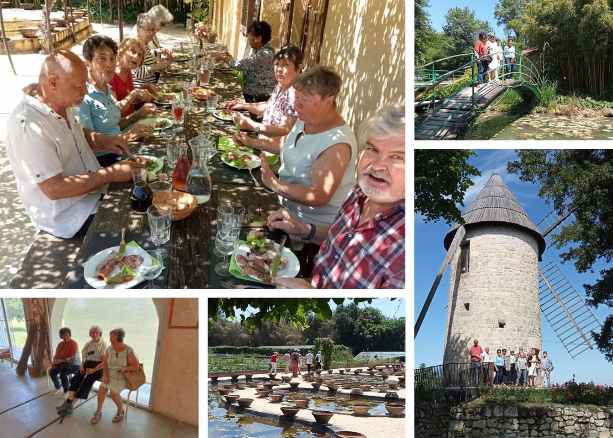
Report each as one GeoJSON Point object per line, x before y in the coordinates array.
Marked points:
{"type": "Point", "coordinates": [565, 310]}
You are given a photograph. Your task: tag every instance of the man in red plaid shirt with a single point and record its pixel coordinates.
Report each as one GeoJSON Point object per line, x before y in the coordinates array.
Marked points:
{"type": "Point", "coordinates": [364, 247]}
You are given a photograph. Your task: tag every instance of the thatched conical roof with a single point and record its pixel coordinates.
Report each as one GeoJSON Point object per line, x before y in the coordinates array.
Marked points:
{"type": "Point", "coordinates": [497, 204]}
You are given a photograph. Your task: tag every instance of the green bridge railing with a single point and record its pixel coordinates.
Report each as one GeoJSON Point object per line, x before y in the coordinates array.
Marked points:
{"type": "Point", "coordinates": [429, 77]}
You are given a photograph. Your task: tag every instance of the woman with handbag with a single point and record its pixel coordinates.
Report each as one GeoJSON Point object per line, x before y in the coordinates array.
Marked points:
{"type": "Point", "coordinates": [118, 361]}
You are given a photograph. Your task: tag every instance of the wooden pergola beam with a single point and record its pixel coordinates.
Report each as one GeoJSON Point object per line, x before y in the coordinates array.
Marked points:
{"type": "Point", "coordinates": [5, 42]}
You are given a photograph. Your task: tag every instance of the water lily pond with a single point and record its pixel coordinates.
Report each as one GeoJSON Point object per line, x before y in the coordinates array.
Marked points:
{"type": "Point", "coordinates": [539, 126]}
{"type": "Point", "coordinates": [231, 422]}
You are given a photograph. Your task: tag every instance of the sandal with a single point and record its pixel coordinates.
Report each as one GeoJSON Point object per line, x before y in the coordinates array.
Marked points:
{"type": "Point", "coordinates": [119, 417]}
{"type": "Point", "coordinates": [96, 417]}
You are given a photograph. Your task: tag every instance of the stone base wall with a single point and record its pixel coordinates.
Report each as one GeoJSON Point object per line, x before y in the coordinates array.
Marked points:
{"type": "Point", "coordinates": [511, 421]}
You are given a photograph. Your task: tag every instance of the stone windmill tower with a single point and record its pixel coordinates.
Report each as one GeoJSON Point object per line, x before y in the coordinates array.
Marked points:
{"type": "Point", "coordinates": [494, 282]}
{"type": "Point", "coordinates": [497, 289]}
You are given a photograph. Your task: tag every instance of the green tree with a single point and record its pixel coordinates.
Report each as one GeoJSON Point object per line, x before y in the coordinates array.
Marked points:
{"type": "Point", "coordinates": [442, 178]}
{"type": "Point", "coordinates": [576, 38]}
{"type": "Point", "coordinates": [462, 28]}
{"type": "Point", "coordinates": [508, 14]}
{"type": "Point", "coordinates": [298, 311]}
{"type": "Point", "coordinates": [580, 181]}
{"type": "Point", "coordinates": [423, 31]}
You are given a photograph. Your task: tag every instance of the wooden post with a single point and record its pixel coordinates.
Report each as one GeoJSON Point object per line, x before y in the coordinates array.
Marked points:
{"type": "Point", "coordinates": [5, 42]}
{"type": "Point", "coordinates": [120, 19]}
{"type": "Point", "coordinates": [37, 342]}
{"type": "Point", "coordinates": [322, 31]}
{"type": "Point", "coordinates": [47, 31]}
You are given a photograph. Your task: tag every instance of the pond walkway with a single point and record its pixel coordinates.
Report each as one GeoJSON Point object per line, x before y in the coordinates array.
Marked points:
{"type": "Point", "coordinates": [455, 113]}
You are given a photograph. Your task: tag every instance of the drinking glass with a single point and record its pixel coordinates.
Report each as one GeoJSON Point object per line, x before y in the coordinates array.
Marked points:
{"type": "Point", "coordinates": [211, 102]}
{"type": "Point", "coordinates": [160, 220]}
{"type": "Point", "coordinates": [160, 186]}
{"type": "Point", "coordinates": [172, 154]}
{"type": "Point", "coordinates": [178, 110]}
{"type": "Point", "coordinates": [229, 220]}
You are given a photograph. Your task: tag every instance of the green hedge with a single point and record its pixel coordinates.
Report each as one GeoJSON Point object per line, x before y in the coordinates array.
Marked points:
{"type": "Point", "coordinates": [264, 350]}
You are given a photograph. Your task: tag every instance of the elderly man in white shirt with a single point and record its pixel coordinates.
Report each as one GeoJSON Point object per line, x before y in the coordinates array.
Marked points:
{"type": "Point", "coordinates": [58, 177]}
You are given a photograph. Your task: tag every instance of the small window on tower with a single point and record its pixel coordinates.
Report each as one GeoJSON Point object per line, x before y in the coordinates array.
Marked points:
{"type": "Point", "coordinates": [501, 324]}
{"type": "Point", "coordinates": [465, 257]}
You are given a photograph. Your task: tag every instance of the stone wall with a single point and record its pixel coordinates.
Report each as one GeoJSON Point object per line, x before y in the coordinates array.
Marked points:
{"type": "Point", "coordinates": [494, 420]}
{"type": "Point", "coordinates": [496, 300]}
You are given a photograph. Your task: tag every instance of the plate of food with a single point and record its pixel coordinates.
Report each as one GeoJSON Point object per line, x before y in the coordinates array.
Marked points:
{"type": "Point", "coordinates": [165, 99]}
{"type": "Point", "coordinates": [223, 115]}
{"type": "Point", "coordinates": [181, 57]}
{"type": "Point", "coordinates": [110, 269]}
{"type": "Point", "coordinates": [254, 257]}
{"type": "Point", "coordinates": [241, 160]}
{"type": "Point", "coordinates": [227, 144]}
{"type": "Point", "coordinates": [175, 69]}
{"type": "Point", "coordinates": [202, 93]}
{"type": "Point", "coordinates": [157, 123]}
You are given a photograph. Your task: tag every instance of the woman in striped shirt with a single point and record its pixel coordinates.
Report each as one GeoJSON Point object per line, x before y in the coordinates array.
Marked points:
{"type": "Point", "coordinates": [146, 74]}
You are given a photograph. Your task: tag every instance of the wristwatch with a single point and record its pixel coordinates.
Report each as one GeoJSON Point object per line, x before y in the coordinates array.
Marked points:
{"type": "Point", "coordinates": [258, 129]}
{"type": "Point", "coordinates": [312, 231]}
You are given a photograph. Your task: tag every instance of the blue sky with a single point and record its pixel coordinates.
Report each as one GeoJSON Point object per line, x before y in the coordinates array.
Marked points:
{"type": "Point", "coordinates": [484, 10]}
{"type": "Point", "coordinates": [429, 250]}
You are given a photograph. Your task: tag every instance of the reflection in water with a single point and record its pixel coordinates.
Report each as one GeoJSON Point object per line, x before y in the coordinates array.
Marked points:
{"type": "Point", "coordinates": [232, 423]}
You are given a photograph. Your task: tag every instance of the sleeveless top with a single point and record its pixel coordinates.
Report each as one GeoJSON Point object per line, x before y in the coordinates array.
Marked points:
{"type": "Point", "coordinates": [298, 155]}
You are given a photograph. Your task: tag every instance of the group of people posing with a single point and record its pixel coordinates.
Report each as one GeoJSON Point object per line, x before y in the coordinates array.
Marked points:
{"type": "Point", "coordinates": [494, 60]}
{"type": "Point", "coordinates": [295, 362]}
{"type": "Point", "coordinates": [341, 196]}
{"type": "Point", "coordinates": [510, 368]}
{"type": "Point", "coordinates": [74, 373]}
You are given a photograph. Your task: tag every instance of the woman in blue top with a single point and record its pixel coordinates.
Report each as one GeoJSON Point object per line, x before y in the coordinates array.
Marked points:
{"type": "Point", "coordinates": [99, 113]}
{"type": "Point", "coordinates": [499, 363]}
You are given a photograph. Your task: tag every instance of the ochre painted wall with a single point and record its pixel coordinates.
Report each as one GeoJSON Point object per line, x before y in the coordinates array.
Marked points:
{"type": "Point", "coordinates": [364, 42]}
{"type": "Point", "coordinates": [175, 393]}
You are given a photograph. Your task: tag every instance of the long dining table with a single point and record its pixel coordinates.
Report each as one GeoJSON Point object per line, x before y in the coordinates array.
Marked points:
{"type": "Point", "coordinates": [189, 257]}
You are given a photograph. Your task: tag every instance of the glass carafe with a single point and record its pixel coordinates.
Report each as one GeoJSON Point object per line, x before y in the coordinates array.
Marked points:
{"type": "Point", "coordinates": [198, 179]}
{"type": "Point", "coordinates": [179, 174]}
{"type": "Point", "coordinates": [141, 195]}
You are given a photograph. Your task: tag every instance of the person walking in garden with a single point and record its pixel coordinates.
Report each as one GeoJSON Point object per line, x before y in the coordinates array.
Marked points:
{"type": "Point", "coordinates": [273, 362]}
{"type": "Point", "coordinates": [475, 362]}
{"type": "Point", "coordinates": [287, 359]}
{"type": "Point", "coordinates": [318, 361]}
{"type": "Point", "coordinates": [309, 361]}
{"type": "Point", "coordinates": [483, 59]}
{"type": "Point", "coordinates": [547, 367]}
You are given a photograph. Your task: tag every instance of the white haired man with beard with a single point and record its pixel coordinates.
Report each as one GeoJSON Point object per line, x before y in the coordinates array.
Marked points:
{"type": "Point", "coordinates": [365, 246]}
